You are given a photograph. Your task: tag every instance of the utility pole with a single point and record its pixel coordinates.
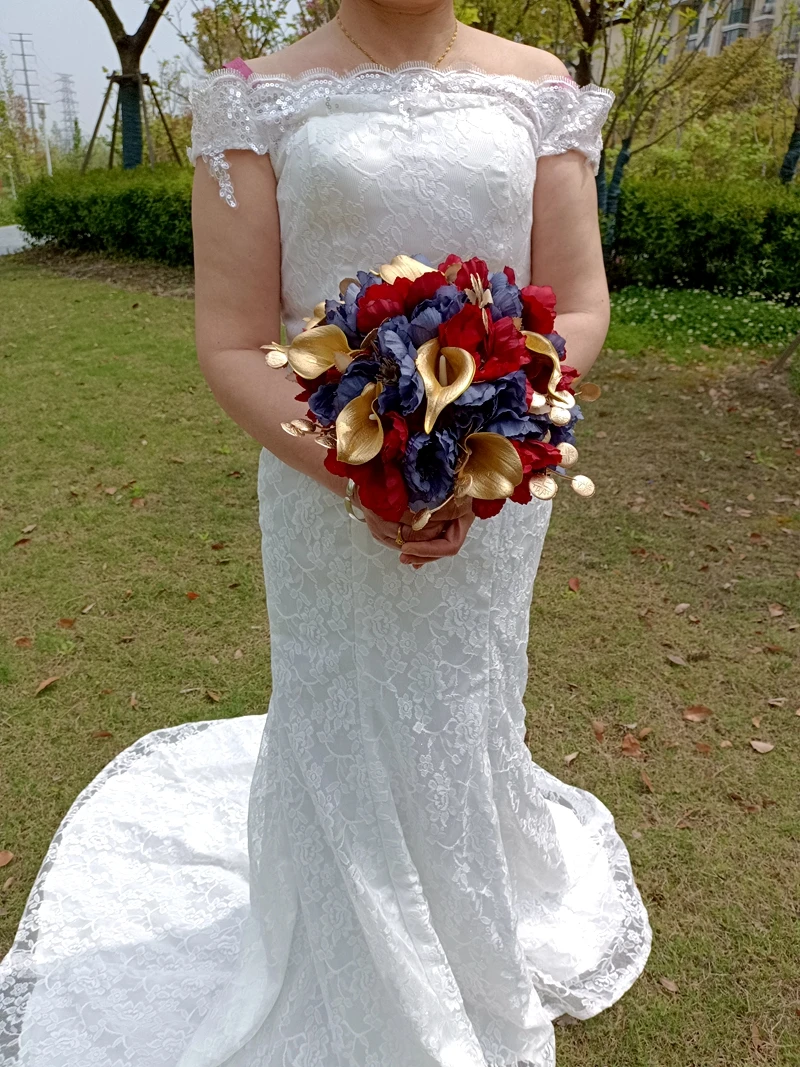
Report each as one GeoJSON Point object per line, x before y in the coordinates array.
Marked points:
{"type": "Point", "coordinates": [24, 42]}
{"type": "Point", "coordinates": [69, 109]}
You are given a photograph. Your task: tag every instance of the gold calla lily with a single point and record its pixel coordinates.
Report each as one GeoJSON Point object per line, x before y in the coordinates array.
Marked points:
{"type": "Point", "coordinates": [492, 469]}
{"type": "Point", "coordinates": [315, 351]}
{"type": "Point", "coordinates": [359, 431]}
{"type": "Point", "coordinates": [446, 373]}
{"type": "Point", "coordinates": [536, 342]}
{"type": "Point", "coordinates": [403, 267]}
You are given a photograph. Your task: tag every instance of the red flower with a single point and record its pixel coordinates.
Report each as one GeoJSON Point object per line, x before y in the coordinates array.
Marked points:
{"type": "Point", "coordinates": [449, 262]}
{"type": "Point", "coordinates": [538, 370]}
{"type": "Point", "coordinates": [568, 376]}
{"type": "Point", "coordinates": [504, 351]}
{"type": "Point", "coordinates": [382, 301]}
{"type": "Point", "coordinates": [485, 509]}
{"type": "Point", "coordinates": [509, 273]}
{"type": "Point", "coordinates": [381, 487]}
{"type": "Point", "coordinates": [536, 456]}
{"type": "Point", "coordinates": [538, 308]}
{"type": "Point", "coordinates": [464, 330]}
{"type": "Point", "coordinates": [468, 268]}
{"type": "Point", "coordinates": [423, 288]}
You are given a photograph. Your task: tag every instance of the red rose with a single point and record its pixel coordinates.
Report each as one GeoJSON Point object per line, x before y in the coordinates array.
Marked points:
{"type": "Point", "coordinates": [504, 351]}
{"type": "Point", "coordinates": [470, 267]}
{"type": "Point", "coordinates": [380, 302]}
{"type": "Point", "coordinates": [538, 308]}
{"type": "Point", "coordinates": [485, 509]}
{"type": "Point", "coordinates": [423, 288]}
{"type": "Point", "coordinates": [464, 330]}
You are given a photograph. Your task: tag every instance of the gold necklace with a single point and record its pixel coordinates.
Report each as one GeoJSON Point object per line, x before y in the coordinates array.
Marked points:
{"type": "Point", "coordinates": [375, 61]}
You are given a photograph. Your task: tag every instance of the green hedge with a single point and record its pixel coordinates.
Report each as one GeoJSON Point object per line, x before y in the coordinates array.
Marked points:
{"type": "Point", "coordinates": [739, 239]}
{"type": "Point", "coordinates": [699, 235]}
{"type": "Point", "coordinates": [143, 214]}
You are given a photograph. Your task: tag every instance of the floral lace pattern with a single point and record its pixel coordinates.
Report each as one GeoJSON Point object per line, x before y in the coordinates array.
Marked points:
{"type": "Point", "coordinates": [376, 874]}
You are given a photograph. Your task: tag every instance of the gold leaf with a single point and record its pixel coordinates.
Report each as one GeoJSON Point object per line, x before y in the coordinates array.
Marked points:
{"type": "Point", "coordinates": [492, 469]}
{"type": "Point", "coordinates": [589, 392]}
{"type": "Point", "coordinates": [275, 355]}
{"type": "Point", "coordinates": [569, 454]}
{"type": "Point", "coordinates": [403, 267]}
{"type": "Point", "coordinates": [543, 486]}
{"type": "Point", "coordinates": [456, 365]}
{"type": "Point", "coordinates": [559, 415]}
{"type": "Point", "coordinates": [582, 485]}
{"type": "Point", "coordinates": [359, 431]}
{"type": "Point", "coordinates": [315, 351]}
{"type": "Point", "coordinates": [421, 519]}
{"type": "Point", "coordinates": [345, 284]}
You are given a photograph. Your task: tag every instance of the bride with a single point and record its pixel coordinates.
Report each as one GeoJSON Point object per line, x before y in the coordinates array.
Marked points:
{"type": "Point", "coordinates": [375, 874]}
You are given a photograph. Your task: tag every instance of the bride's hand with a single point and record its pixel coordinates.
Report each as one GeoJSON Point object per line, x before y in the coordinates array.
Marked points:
{"type": "Point", "coordinates": [447, 543]}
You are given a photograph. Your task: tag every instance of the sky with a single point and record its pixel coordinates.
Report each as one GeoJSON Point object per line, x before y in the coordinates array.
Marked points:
{"type": "Point", "coordinates": [70, 37]}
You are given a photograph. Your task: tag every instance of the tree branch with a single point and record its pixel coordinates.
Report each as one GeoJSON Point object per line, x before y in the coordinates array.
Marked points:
{"type": "Point", "coordinates": [111, 19]}
{"type": "Point", "coordinates": [148, 24]}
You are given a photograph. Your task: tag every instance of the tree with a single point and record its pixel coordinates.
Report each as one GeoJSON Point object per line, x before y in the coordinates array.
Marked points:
{"type": "Point", "coordinates": [221, 31]}
{"type": "Point", "coordinates": [130, 48]}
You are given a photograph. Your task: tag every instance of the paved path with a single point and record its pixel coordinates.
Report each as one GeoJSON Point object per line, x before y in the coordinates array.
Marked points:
{"type": "Point", "coordinates": [12, 239]}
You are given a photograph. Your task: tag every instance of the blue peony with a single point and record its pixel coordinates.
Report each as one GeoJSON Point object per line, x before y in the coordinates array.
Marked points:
{"type": "Point", "coordinates": [403, 388]}
{"type": "Point", "coordinates": [429, 468]}
{"type": "Point", "coordinates": [505, 296]}
{"type": "Point", "coordinates": [330, 398]}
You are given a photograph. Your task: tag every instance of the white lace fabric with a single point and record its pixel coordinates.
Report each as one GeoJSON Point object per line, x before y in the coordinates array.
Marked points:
{"type": "Point", "coordinates": [375, 874]}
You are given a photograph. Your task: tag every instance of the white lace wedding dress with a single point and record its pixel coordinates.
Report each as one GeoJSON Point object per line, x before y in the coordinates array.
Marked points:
{"type": "Point", "coordinates": [375, 874]}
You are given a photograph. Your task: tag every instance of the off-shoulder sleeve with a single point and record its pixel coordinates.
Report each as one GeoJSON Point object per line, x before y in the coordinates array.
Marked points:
{"type": "Point", "coordinates": [226, 114]}
{"type": "Point", "coordinates": [572, 116]}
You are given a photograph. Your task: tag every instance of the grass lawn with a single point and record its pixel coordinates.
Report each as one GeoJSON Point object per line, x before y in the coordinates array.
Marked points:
{"type": "Point", "coordinates": [131, 572]}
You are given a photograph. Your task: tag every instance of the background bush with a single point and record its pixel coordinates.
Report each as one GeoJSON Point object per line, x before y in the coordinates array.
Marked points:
{"type": "Point", "coordinates": [738, 238]}
{"type": "Point", "coordinates": [143, 213]}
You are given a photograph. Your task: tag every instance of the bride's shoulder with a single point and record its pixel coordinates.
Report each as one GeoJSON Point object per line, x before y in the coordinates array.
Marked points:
{"type": "Point", "coordinates": [501, 56]}
{"type": "Point", "coordinates": [308, 53]}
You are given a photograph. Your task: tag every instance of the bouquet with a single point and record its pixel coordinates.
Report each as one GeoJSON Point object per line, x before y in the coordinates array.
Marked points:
{"type": "Point", "coordinates": [428, 383]}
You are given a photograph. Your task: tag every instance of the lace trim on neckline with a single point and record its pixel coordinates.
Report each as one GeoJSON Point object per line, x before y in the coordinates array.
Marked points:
{"type": "Point", "coordinates": [411, 66]}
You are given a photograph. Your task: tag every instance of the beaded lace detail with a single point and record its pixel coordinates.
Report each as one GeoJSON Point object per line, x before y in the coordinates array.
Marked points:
{"type": "Point", "coordinates": [258, 112]}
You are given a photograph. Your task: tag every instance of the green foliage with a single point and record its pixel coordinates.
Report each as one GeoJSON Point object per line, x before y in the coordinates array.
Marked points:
{"type": "Point", "coordinates": [7, 215]}
{"type": "Point", "coordinates": [687, 321]}
{"type": "Point", "coordinates": [737, 238]}
{"type": "Point", "coordinates": [143, 214]}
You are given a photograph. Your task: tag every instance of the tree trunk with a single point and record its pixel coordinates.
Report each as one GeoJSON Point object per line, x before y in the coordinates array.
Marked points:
{"type": "Point", "coordinates": [602, 184]}
{"type": "Point", "coordinates": [613, 194]}
{"type": "Point", "coordinates": [130, 110]}
{"type": "Point", "coordinates": [792, 157]}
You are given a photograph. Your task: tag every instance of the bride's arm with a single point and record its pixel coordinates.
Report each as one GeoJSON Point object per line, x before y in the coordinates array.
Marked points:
{"type": "Point", "coordinates": [567, 253]}
{"type": "Point", "coordinates": [237, 309]}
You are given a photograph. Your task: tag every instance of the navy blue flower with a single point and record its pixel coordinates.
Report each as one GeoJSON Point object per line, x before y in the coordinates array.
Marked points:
{"type": "Point", "coordinates": [505, 296]}
{"type": "Point", "coordinates": [329, 399]}
{"type": "Point", "coordinates": [403, 389]}
{"type": "Point", "coordinates": [429, 468]}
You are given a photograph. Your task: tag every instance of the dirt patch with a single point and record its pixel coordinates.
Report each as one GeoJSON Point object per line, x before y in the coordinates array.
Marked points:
{"type": "Point", "coordinates": [136, 275]}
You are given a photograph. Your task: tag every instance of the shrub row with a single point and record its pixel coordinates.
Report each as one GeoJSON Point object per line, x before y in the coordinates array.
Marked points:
{"type": "Point", "coordinates": [738, 239]}
{"type": "Point", "coordinates": [143, 214]}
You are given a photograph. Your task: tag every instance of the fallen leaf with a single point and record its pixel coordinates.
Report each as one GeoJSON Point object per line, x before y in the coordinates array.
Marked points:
{"type": "Point", "coordinates": [29, 528]}
{"type": "Point", "coordinates": [680, 609]}
{"type": "Point", "coordinates": [570, 758]}
{"type": "Point", "coordinates": [756, 721]}
{"type": "Point", "coordinates": [22, 541]}
{"type": "Point", "coordinates": [218, 545]}
{"type": "Point", "coordinates": [574, 584]}
{"type": "Point", "coordinates": [105, 692]}
{"type": "Point", "coordinates": [646, 780]}
{"type": "Point", "coordinates": [631, 746]}
{"type": "Point", "coordinates": [775, 611]}
{"type": "Point", "coordinates": [669, 985]}
{"type": "Point", "coordinates": [755, 1034]}
{"type": "Point", "coordinates": [6, 858]}
{"type": "Point", "coordinates": [762, 746]}
{"type": "Point", "coordinates": [23, 642]}
{"type": "Point", "coordinates": [702, 748]}
{"type": "Point", "coordinates": [66, 624]}
{"type": "Point", "coordinates": [677, 661]}
{"type": "Point", "coordinates": [645, 732]}
{"type": "Point", "coordinates": [46, 683]}
{"type": "Point", "coordinates": [599, 729]}
{"type": "Point", "coordinates": [9, 882]}
{"type": "Point", "coordinates": [127, 639]}
{"type": "Point", "coordinates": [697, 713]}
{"type": "Point", "coordinates": [704, 504]}
{"type": "Point", "coordinates": [138, 502]}
{"type": "Point", "coordinates": [87, 609]}
{"type": "Point", "coordinates": [192, 596]}
{"type": "Point", "coordinates": [213, 696]}
{"type": "Point", "coordinates": [776, 702]}
{"type": "Point", "coordinates": [726, 744]}
{"type": "Point", "coordinates": [234, 474]}
{"type": "Point", "coordinates": [637, 834]}
{"type": "Point", "coordinates": [110, 490]}
{"type": "Point", "coordinates": [102, 733]}
{"type": "Point", "coordinates": [238, 654]}
{"type": "Point", "coordinates": [133, 702]}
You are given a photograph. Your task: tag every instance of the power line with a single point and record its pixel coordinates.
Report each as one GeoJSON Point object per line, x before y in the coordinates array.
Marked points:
{"type": "Point", "coordinates": [30, 79]}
